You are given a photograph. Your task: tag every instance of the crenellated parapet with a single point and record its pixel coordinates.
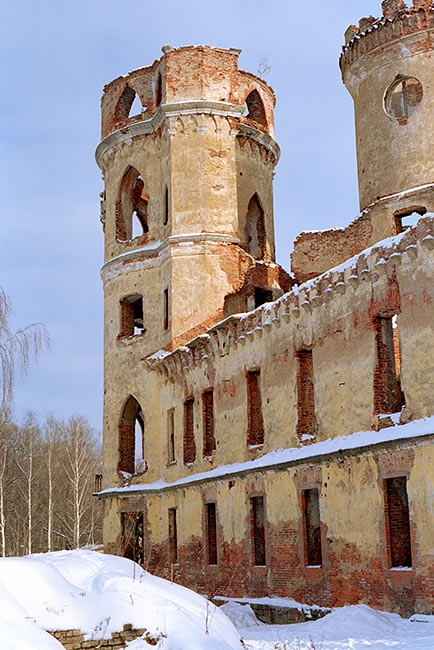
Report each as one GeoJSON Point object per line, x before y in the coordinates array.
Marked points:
{"type": "Point", "coordinates": [373, 34]}
{"type": "Point", "coordinates": [298, 306]}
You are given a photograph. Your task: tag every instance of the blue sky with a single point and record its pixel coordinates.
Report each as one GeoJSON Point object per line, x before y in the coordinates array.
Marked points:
{"type": "Point", "coordinates": [56, 56]}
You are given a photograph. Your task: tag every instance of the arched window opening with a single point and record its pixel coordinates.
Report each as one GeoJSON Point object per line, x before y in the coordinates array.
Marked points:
{"type": "Point", "coordinates": [255, 229]}
{"type": "Point", "coordinates": [158, 91]}
{"type": "Point", "coordinates": [132, 207]}
{"type": "Point", "coordinates": [403, 98]}
{"type": "Point", "coordinates": [166, 207]}
{"type": "Point", "coordinates": [255, 107]}
{"type": "Point", "coordinates": [131, 438]}
{"type": "Point", "coordinates": [124, 104]}
{"type": "Point", "coordinates": [136, 107]}
{"type": "Point", "coordinates": [131, 321]}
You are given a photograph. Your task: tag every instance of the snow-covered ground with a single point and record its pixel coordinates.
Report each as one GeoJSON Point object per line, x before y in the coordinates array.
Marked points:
{"type": "Point", "coordinates": [98, 594]}
{"type": "Point", "coordinates": [357, 628]}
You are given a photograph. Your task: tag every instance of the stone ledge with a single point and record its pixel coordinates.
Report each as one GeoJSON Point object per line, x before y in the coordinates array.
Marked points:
{"type": "Point", "coordinates": [74, 639]}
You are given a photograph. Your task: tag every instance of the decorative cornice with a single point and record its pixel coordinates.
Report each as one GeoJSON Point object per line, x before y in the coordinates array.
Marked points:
{"type": "Point", "coordinates": [179, 109]}
{"type": "Point", "coordinates": [157, 248]}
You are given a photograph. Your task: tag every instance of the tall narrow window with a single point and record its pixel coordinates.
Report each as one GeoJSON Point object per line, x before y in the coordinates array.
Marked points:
{"type": "Point", "coordinates": [131, 438]}
{"type": "Point", "coordinates": [306, 422]}
{"type": "Point", "coordinates": [173, 537]}
{"type": "Point", "coordinates": [255, 229]}
{"type": "Point", "coordinates": [158, 91]}
{"type": "Point", "coordinates": [132, 204]}
{"type": "Point", "coordinates": [388, 396]}
{"type": "Point", "coordinates": [209, 445]}
{"type": "Point", "coordinates": [189, 443]}
{"type": "Point", "coordinates": [166, 207]}
{"type": "Point", "coordinates": [166, 309]}
{"type": "Point", "coordinates": [255, 107]}
{"type": "Point", "coordinates": [398, 521]}
{"type": "Point", "coordinates": [211, 532]}
{"type": "Point", "coordinates": [312, 527]}
{"type": "Point", "coordinates": [171, 435]}
{"type": "Point", "coordinates": [131, 316]}
{"type": "Point", "coordinates": [255, 424]}
{"type": "Point", "coordinates": [258, 530]}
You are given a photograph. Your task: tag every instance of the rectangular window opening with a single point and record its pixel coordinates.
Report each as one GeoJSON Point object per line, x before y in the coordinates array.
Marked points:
{"type": "Point", "coordinates": [398, 522]}
{"type": "Point", "coordinates": [209, 444]}
{"type": "Point", "coordinates": [173, 537]}
{"type": "Point", "coordinates": [388, 396]}
{"type": "Point", "coordinates": [258, 530]}
{"type": "Point", "coordinates": [171, 435]}
{"type": "Point", "coordinates": [312, 527]}
{"type": "Point", "coordinates": [166, 309]}
{"type": "Point", "coordinates": [211, 532]}
{"type": "Point", "coordinates": [131, 316]}
{"type": "Point", "coordinates": [189, 446]}
{"type": "Point", "coordinates": [255, 423]}
{"type": "Point", "coordinates": [307, 425]}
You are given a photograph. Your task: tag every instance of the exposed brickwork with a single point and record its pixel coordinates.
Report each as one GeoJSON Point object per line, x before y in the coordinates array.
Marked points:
{"type": "Point", "coordinates": [312, 527]}
{"type": "Point", "coordinates": [211, 532]}
{"type": "Point", "coordinates": [189, 445]}
{"type": "Point", "coordinates": [255, 422]}
{"type": "Point", "coordinates": [258, 530]}
{"type": "Point", "coordinates": [397, 521]}
{"type": "Point", "coordinates": [74, 639]}
{"type": "Point", "coordinates": [388, 397]}
{"type": "Point", "coordinates": [173, 536]}
{"type": "Point", "coordinates": [127, 435]}
{"type": "Point", "coordinates": [306, 423]}
{"type": "Point", "coordinates": [209, 444]}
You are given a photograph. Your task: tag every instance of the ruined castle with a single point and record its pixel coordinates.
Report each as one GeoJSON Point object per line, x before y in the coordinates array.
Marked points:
{"type": "Point", "coordinates": [270, 433]}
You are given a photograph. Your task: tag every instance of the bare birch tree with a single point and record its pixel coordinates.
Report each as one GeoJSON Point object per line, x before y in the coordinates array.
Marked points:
{"type": "Point", "coordinates": [17, 349]}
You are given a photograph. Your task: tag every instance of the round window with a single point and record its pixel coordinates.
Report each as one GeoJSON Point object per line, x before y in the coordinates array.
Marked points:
{"type": "Point", "coordinates": [402, 98]}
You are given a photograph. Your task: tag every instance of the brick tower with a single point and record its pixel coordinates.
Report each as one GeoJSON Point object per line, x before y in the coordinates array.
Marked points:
{"type": "Point", "coordinates": [188, 219]}
{"type": "Point", "coordinates": [387, 66]}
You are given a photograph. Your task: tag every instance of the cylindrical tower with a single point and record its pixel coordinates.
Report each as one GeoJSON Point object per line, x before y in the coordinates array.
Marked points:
{"type": "Point", "coordinates": [188, 219]}
{"type": "Point", "coordinates": [387, 66]}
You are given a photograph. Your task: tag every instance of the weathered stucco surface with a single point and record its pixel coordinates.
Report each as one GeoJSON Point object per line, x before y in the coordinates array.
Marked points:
{"type": "Point", "coordinates": [340, 349]}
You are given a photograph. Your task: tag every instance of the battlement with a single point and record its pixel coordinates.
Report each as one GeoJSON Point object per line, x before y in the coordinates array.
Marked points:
{"type": "Point", "coordinates": [298, 305]}
{"type": "Point", "coordinates": [398, 20]}
{"type": "Point", "coordinates": [188, 74]}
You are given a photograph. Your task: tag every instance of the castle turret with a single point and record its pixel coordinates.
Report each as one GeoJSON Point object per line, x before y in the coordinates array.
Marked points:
{"type": "Point", "coordinates": [387, 66]}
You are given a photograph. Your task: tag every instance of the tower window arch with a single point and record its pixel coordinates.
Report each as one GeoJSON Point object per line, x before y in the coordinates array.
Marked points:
{"type": "Point", "coordinates": [132, 438]}
{"type": "Point", "coordinates": [131, 207]}
{"type": "Point", "coordinates": [255, 108]}
{"type": "Point", "coordinates": [131, 316]}
{"type": "Point", "coordinates": [255, 229]}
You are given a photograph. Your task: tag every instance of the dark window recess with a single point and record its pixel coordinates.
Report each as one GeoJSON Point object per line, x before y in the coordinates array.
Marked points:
{"type": "Point", "coordinates": [255, 423]}
{"type": "Point", "coordinates": [388, 396]}
{"type": "Point", "coordinates": [262, 296]}
{"type": "Point", "coordinates": [306, 421]}
{"type": "Point", "coordinates": [132, 540]}
{"type": "Point", "coordinates": [158, 91]}
{"type": "Point", "coordinates": [189, 443]}
{"type": "Point", "coordinates": [398, 521]}
{"type": "Point", "coordinates": [166, 309]}
{"type": "Point", "coordinates": [209, 444]}
{"type": "Point", "coordinates": [255, 108]}
{"type": "Point", "coordinates": [255, 229]}
{"type": "Point", "coordinates": [131, 207]}
{"type": "Point", "coordinates": [166, 207]}
{"type": "Point", "coordinates": [132, 316]}
{"type": "Point", "coordinates": [98, 482]}
{"type": "Point", "coordinates": [407, 218]}
{"type": "Point", "coordinates": [131, 438]}
{"type": "Point", "coordinates": [312, 527]}
{"type": "Point", "coordinates": [258, 530]}
{"type": "Point", "coordinates": [173, 537]}
{"type": "Point", "coordinates": [171, 435]}
{"type": "Point", "coordinates": [211, 532]}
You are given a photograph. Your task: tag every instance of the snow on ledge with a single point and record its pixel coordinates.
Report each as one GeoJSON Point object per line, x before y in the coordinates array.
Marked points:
{"type": "Point", "coordinates": [359, 440]}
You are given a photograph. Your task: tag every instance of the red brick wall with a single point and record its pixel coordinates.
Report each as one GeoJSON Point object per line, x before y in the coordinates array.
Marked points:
{"type": "Point", "coordinates": [306, 422]}
{"type": "Point", "coordinates": [255, 422]}
{"type": "Point", "coordinates": [397, 521]}
{"type": "Point", "coordinates": [209, 444]}
{"type": "Point", "coordinates": [388, 397]}
{"type": "Point", "coordinates": [211, 532]}
{"type": "Point", "coordinates": [189, 446]}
